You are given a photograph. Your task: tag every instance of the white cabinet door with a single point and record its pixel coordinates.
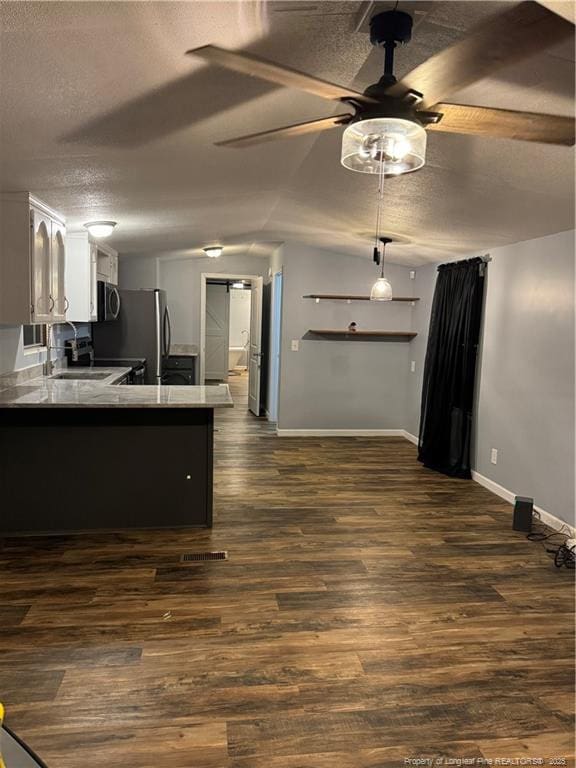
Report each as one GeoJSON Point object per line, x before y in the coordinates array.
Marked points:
{"type": "Point", "coordinates": [113, 269]}
{"type": "Point", "coordinates": [41, 293]}
{"type": "Point", "coordinates": [58, 272]}
{"type": "Point", "coordinates": [93, 281]}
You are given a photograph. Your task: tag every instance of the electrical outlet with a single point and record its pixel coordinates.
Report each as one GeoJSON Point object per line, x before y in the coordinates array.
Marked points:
{"type": "Point", "coordinates": [295, 345]}
{"type": "Point", "coordinates": [494, 455]}
{"type": "Point", "coordinates": [412, 365]}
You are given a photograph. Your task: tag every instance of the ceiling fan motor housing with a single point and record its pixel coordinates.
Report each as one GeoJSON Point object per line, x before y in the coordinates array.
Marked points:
{"type": "Point", "coordinates": [390, 27]}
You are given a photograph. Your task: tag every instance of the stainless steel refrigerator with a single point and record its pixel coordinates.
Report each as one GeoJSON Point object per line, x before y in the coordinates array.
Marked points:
{"type": "Point", "coordinates": [142, 329]}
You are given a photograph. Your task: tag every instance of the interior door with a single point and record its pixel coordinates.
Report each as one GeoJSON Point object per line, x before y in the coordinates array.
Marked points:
{"type": "Point", "coordinates": [41, 299]}
{"type": "Point", "coordinates": [255, 361]}
{"type": "Point", "coordinates": [217, 332]}
{"type": "Point", "coordinates": [57, 271]}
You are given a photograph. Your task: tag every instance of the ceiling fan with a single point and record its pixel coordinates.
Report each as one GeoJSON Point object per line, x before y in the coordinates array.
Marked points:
{"type": "Point", "coordinates": [386, 131]}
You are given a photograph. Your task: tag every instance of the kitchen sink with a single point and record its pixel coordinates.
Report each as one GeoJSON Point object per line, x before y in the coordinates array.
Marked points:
{"type": "Point", "coordinates": [81, 375]}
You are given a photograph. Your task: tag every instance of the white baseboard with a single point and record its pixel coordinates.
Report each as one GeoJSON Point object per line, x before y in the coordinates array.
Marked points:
{"type": "Point", "coordinates": [340, 433]}
{"type": "Point", "coordinates": [548, 519]}
{"type": "Point", "coordinates": [409, 436]}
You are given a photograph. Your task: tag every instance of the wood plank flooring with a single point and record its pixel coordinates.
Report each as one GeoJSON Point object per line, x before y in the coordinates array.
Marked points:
{"type": "Point", "coordinates": [370, 611]}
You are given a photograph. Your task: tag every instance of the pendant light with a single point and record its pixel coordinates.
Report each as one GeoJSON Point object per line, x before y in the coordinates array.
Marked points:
{"type": "Point", "coordinates": [381, 290]}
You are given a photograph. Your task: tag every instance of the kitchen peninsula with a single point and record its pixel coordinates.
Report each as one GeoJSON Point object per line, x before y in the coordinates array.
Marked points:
{"type": "Point", "coordinates": [143, 455]}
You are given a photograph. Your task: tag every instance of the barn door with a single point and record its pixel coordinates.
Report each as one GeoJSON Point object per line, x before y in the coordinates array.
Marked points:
{"type": "Point", "coordinates": [217, 330]}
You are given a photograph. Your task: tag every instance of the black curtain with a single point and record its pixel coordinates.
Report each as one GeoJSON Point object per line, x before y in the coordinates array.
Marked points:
{"type": "Point", "coordinates": [450, 368]}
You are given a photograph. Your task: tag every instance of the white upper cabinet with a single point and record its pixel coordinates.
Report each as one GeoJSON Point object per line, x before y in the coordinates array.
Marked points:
{"type": "Point", "coordinates": [86, 263]}
{"type": "Point", "coordinates": [41, 300]}
{"type": "Point", "coordinates": [58, 272]}
{"type": "Point", "coordinates": [81, 280]}
{"type": "Point", "coordinates": [32, 261]}
{"type": "Point", "coordinates": [107, 262]}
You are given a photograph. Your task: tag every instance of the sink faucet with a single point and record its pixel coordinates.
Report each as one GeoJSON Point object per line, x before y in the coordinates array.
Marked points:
{"type": "Point", "coordinates": [49, 364]}
{"type": "Point", "coordinates": [74, 344]}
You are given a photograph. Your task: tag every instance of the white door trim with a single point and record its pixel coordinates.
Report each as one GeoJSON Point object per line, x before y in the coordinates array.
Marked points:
{"type": "Point", "coordinates": [204, 276]}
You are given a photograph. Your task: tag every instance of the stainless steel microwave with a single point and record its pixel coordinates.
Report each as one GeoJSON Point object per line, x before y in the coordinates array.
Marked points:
{"type": "Point", "coordinates": [108, 301]}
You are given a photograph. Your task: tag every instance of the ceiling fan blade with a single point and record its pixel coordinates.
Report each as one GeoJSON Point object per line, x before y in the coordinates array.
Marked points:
{"type": "Point", "coordinates": [563, 8]}
{"type": "Point", "coordinates": [298, 129]}
{"type": "Point", "coordinates": [504, 39]}
{"type": "Point", "coordinates": [248, 64]}
{"type": "Point", "coordinates": [505, 123]}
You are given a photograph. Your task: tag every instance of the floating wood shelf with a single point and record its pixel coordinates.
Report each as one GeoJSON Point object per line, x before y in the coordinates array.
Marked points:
{"type": "Point", "coordinates": [334, 332]}
{"type": "Point", "coordinates": [343, 297]}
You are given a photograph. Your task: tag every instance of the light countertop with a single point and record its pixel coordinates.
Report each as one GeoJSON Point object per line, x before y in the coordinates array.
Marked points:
{"type": "Point", "coordinates": [45, 392]}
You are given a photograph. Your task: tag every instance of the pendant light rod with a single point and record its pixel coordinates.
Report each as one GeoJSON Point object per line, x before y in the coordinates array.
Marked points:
{"type": "Point", "coordinates": [384, 241]}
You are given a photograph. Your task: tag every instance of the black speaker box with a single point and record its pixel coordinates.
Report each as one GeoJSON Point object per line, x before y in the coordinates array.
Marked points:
{"type": "Point", "coordinates": [523, 514]}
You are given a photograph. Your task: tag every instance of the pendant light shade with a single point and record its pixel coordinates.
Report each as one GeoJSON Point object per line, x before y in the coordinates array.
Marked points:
{"type": "Point", "coordinates": [381, 290]}
{"type": "Point", "coordinates": [387, 145]}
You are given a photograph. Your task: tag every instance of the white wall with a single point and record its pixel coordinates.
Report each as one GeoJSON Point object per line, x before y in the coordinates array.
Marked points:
{"type": "Point", "coordinates": [13, 355]}
{"type": "Point", "coordinates": [341, 384]}
{"type": "Point", "coordinates": [180, 278]}
{"type": "Point", "coordinates": [525, 387]}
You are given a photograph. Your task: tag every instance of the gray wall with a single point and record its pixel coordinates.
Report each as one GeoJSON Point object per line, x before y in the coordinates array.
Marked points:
{"type": "Point", "coordinates": [341, 384]}
{"type": "Point", "coordinates": [424, 288]}
{"type": "Point", "coordinates": [525, 387]}
{"type": "Point", "coordinates": [526, 380]}
{"type": "Point", "coordinates": [180, 277]}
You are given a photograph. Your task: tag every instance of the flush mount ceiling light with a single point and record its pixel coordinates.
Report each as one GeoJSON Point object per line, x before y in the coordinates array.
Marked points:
{"type": "Point", "coordinates": [100, 228]}
{"type": "Point", "coordinates": [213, 251]}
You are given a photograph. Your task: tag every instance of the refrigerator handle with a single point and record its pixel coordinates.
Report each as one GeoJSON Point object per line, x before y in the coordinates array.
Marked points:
{"type": "Point", "coordinates": [167, 332]}
{"type": "Point", "coordinates": [159, 340]}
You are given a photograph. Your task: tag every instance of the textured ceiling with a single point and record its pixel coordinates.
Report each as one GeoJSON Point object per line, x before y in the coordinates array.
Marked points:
{"type": "Point", "coordinates": [103, 116]}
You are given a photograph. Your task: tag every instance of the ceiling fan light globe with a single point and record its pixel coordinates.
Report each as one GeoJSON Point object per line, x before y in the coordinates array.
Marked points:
{"type": "Point", "coordinates": [381, 290]}
{"type": "Point", "coordinates": [397, 144]}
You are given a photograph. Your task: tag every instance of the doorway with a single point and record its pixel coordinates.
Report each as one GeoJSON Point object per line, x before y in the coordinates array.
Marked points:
{"type": "Point", "coordinates": [231, 335]}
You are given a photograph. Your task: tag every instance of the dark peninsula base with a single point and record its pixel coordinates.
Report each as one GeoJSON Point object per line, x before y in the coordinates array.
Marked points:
{"type": "Point", "coordinates": [79, 469]}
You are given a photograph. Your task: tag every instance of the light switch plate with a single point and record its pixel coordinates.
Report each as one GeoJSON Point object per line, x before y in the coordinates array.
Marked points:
{"type": "Point", "coordinates": [413, 365]}
{"type": "Point", "coordinates": [295, 345]}
{"type": "Point", "coordinates": [494, 455]}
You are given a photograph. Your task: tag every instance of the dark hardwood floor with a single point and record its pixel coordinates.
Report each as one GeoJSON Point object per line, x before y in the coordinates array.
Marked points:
{"type": "Point", "coordinates": [370, 611]}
